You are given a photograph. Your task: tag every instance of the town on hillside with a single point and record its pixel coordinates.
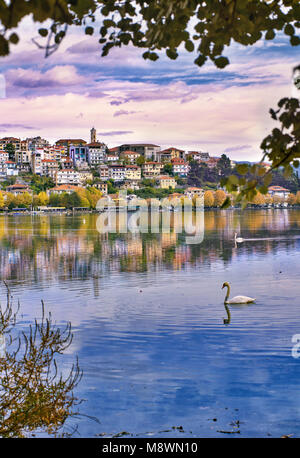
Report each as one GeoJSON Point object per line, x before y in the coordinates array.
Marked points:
{"type": "Point", "coordinates": [76, 173]}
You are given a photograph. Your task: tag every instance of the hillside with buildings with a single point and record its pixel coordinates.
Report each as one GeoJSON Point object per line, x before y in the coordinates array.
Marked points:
{"type": "Point", "coordinates": [32, 166]}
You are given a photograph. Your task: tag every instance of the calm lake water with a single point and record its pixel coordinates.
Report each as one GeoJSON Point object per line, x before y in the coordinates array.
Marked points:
{"type": "Point", "coordinates": [147, 315]}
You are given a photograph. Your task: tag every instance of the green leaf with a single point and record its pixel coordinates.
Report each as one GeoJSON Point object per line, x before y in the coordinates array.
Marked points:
{"type": "Point", "coordinates": [189, 46]}
{"type": "Point", "coordinates": [226, 203]}
{"type": "Point", "coordinates": [4, 47]}
{"type": "Point", "coordinates": [295, 41]}
{"type": "Point", "coordinates": [14, 38]}
{"type": "Point", "coordinates": [221, 62]}
{"type": "Point", "coordinates": [171, 54]}
{"type": "Point", "coordinates": [289, 29]}
{"type": "Point", "coordinates": [201, 59]}
{"type": "Point", "coordinates": [89, 30]}
{"type": "Point", "coordinates": [270, 35]}
{"type": "Point", "coordinates": [43, 32]}
{"type": "Point", "coordinates": [242, 169]}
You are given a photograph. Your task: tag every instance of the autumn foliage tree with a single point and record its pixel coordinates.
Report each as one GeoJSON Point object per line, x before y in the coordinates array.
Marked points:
{"type": "Point", "coordinates": [291, 200]}
{"type": "Point", "coordinates": [209, 199]}
{"type": "Point", "coordinates": [220, 198]}
{"type": "Point", "coordinates": [258, 199]}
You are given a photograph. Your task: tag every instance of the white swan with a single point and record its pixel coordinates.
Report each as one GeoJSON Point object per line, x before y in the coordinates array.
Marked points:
{"type": "Point", "coordinates": [236, 299]}
{"type": "Point", "coordinates": [238, 239]}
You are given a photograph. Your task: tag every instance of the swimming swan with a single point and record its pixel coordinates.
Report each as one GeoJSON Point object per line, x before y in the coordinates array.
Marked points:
{"type": "Point", "coordinates": [238, 239]}
{"type": "Point", "coordinates": [236, 299]}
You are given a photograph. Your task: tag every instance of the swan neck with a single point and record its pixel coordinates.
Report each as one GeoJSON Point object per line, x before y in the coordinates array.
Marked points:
{"type": "Point", "coordinates": [227, 294]}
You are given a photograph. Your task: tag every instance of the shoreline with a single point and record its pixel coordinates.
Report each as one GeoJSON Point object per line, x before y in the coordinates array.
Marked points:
{"type": "Point", "coordinates": [71, 212]}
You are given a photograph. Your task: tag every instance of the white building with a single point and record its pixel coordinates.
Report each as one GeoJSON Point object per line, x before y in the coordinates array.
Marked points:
{"type": "Point", "coordinates": [117, 172]}
{"type": "Point", "coordinates": [96, 153]}
{"type": "Point", "coordinates": [68, 176]}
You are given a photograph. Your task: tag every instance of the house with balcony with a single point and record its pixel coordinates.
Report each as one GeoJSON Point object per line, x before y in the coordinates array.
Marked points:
{"type": "Point", "coordinates": [68, 176]}
{"type": "Point", "coordinates": [117, 172]}
{"type": "Point", "coordinates": [129, 156]}
{"type": "Point", "coordinates": [18, 188]}
{"type": "Point", "coordinates": [166, 182]}
{"type": "Point", "coordinates": [64, 188]}
{"type": "Point", "coordinates": [112, 158]}
{"type": "Point", "coordinates": [168, 154]}
{"type": "Point", "coordinates": [180, 167]}
{"type": "Point", "coordinates": [152, 169]}
{"type": "Point", "coordinates": [148, 150]}
{"type": "Point", "coordinates": [96, 153]}
{"type": "Point", "coordinates": [278, 191]}
{"type": "Point", "coordinates": [101, 186]}
{"type": "Point", "coordinates": [133, 172]}
{"type": "Point", "coordinates": [49, 168]}
{"type": "Point", "coordinates": [103, 172]}
{"type": "Point", "coordinates": [198, 156]}
{"type": "Point", "coordinates": [193, 191]}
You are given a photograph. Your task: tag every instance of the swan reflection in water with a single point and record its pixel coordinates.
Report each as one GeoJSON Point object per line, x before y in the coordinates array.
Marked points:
{"type": "Point", "coordinates": [228, 319]}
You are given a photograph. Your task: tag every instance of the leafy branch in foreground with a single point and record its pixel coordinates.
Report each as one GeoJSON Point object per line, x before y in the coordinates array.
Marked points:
{"type": "Point", "coordinates": [33, 395]}
{"type": "Point", "coordinates": [281, 148]}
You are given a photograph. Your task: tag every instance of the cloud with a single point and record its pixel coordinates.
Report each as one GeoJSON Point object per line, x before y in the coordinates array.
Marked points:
{"type": "Point", "coordinates": [237, 148]}
{"type": "Point", "coordinates": [8, 126]}
{"type": "Point", "coordinates": [59, 76]}
{"type": "Point", "coordinates": [124, 113]}
{"type": "Point", "coordinates": [116, 132]}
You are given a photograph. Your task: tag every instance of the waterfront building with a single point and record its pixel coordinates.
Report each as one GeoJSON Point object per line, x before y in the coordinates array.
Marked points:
{"type": "Point", "coordinates": [18, 189]}
{"type": "Point", "coordinates": [65, 188]}
{"type": "Point", "coordinates": [278, 191]}
{"type": "Point", "coordinates": [193, 191]}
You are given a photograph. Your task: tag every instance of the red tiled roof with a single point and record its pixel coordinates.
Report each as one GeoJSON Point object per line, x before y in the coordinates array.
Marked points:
{"type": "Point", "coordinates": [277, 188]}
{"type": "Point", "coordinates": [95, 144]}
{"type": "Point", "coordinates": [65, 187]}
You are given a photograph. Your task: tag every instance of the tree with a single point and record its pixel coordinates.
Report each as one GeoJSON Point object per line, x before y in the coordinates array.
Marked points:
{"type": "Point", "coordinates": [2, 202]}
{"type": "Point", "coordinates": [291, 200]}
{"type": "Point", "coordinates": [208, 199]}
{"type": "Point", "coordinates": [140, 161]}
{"type": "Point", "coordinates": [224, 166]}
{"type": "Point", "coordinates": [43, 199]}
{"type": "Point", "coordinates": [168, 169]}
{"type": "Point", "coordinates": [10, 149]}
{"type": "Point", "coordinates": [34, 395]}
{"type": "Point", "coordinates": [165, 25]}
{"type": "Point", "coordinates": [258, 199]}
{"type": "Point", "coordinates": [220, 198]}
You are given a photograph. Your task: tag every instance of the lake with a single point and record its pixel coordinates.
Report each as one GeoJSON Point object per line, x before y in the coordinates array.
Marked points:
{"type": "Point", "coordinates": [147, 312]}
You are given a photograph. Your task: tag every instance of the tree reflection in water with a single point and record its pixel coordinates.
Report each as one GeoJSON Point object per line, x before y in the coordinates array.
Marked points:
{"type": "Point", "coordinates": [34, 396]}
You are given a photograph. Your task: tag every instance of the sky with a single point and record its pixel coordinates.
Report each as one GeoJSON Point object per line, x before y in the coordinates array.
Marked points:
{"type": "Point", "coordinates": [130, 100]}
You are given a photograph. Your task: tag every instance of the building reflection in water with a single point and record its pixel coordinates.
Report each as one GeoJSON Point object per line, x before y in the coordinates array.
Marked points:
{"type": "Point", "coordinates": [40, 249]}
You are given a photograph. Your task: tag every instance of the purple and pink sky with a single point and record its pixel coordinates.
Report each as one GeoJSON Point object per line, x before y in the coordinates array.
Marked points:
{"type": "Point", "coordinates": [130, 100]}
